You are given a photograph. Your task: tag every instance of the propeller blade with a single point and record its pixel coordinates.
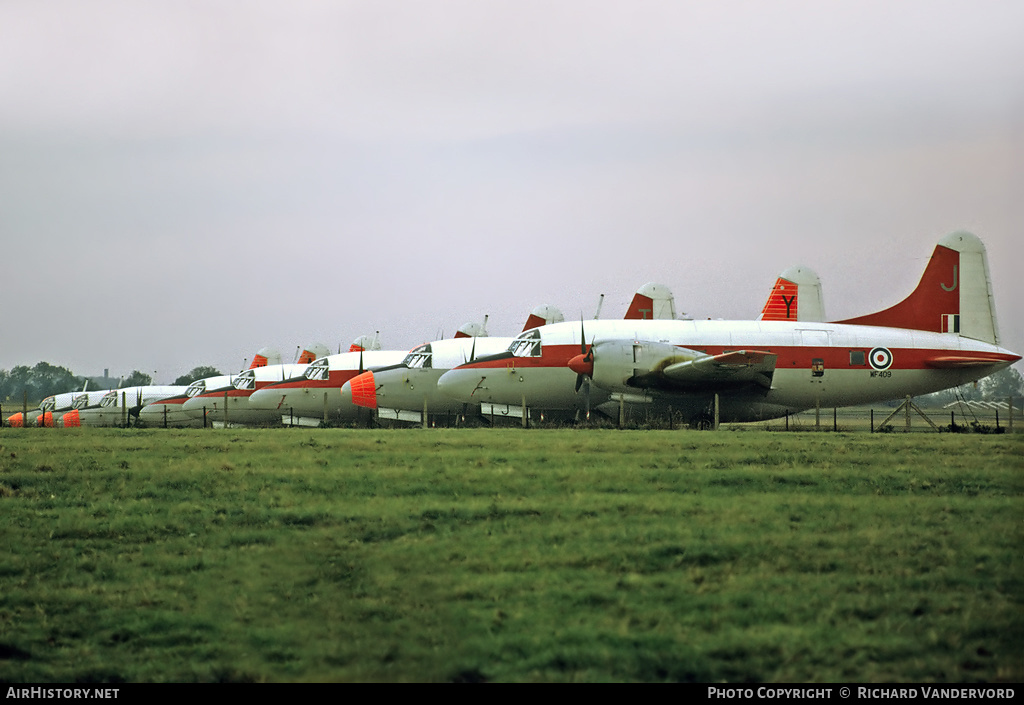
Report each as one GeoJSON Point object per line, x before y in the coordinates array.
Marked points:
{"type": "Point", "coordinates": [586, 400]}
{"type": "Point", "coordinates": [360, 361]}
{"type": "Point", "coordinates": [472, 351]}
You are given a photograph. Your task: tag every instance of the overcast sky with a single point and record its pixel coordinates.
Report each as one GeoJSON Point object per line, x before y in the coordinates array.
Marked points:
{"type": "Point", "coordinates": [183, 183]}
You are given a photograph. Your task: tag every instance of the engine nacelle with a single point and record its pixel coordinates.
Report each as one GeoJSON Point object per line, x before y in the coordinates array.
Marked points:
{"type": "Point", "coordinates": [624, 365]}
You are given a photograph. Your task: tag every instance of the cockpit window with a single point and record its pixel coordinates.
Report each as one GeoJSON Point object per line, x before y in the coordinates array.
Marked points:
{"type": "Point", "coordinates": [419, 358]}
{"type": "Point", "coordinates": [48, 404]}
{"type": "Point", "coordinates": [526, 344]}
{"type": "Point", "coordinates": [196, 388]}
{"type": "Point", "coordinates": [318, 370]}
{"type": "Point", "coordinates": [80, 402]}
{"type": "Point", "coordinates": [109, 399]}
{"type": "Point", "coordinates": [246, 380]}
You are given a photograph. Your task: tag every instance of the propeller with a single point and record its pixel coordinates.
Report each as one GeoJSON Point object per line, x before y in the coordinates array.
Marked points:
{"type": "Point", "coordinates": [360, 361]}
{"type": "Point", "coordinates": [583, 366]}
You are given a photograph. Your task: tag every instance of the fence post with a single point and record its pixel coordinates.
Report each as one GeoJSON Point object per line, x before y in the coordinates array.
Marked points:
{"type": "Point", "coordinates": [872, 421]}
{"type": "Point", "coordinates": [717, 412]}
{"type": "Point", "coordinates": [908, 413]}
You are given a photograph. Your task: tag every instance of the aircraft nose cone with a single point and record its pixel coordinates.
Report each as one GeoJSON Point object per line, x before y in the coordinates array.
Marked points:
{"type": "Point", "coordinates": [581, 366]}
{"type": "Point", "coordinates": [266, 399]}
{"type": "Point", "coordinates": [71, 419]}
{"type": "Point", "coordinates": [363, 390]}
{"type": "Point", "coordinates": [459, 384]}
{"type": "Point", "coordinates": [46, 419]}
{"type": "Point", "coordinates": [15, 420]}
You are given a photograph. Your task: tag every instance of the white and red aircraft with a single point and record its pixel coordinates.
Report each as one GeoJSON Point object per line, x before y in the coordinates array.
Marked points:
{"type": "Point", "coordinates": [303, 399]}
{"type": "Point", "coordinates": [168, 412]}
{"type": "Point", "coordinates": [944, 334]}
{"type": "Point", "coordinates": [309, 399]}
{"type": "Point", "coordinates": [407, 390]}
{"type": "Point", "coordinates": [116, 407]}
{"type": "Point", "coordinates": [229, 403]}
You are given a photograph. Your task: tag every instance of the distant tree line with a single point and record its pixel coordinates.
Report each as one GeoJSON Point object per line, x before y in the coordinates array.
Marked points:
{"type": "Point", "coordinates": [44, 379]}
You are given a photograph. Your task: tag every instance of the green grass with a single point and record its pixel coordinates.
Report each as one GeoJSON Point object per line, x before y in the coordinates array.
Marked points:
{"type": "Point", "coordinates": [509, 555]}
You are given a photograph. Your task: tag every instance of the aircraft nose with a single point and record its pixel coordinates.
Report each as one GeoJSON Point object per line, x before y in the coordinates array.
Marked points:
{"type": "Point", "coordinates": [71, 419]}
{"type": "Point", "coordinates": [267, 399]}
{"type": "Point", "coordinates": [459, 384]}
{"type": "Point", "coordinates": [46, 419]}
{"type": "Point", "coordinates": [16, 420]}
{"type": "Point", "coordinates": [363, 390]}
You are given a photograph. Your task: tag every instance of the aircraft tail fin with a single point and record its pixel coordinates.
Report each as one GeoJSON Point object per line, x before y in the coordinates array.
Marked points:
{"type": "Point", "coordinates": [796, 296]}
{"type": "Point", "coordinates": [652, 301]}
{"type": "Point", "coordinates": [473, 330]}
{"type": "Point", "coordinates": [953, 296]}
{"type": "Point", "coordinates": [365, 342]}
{"type": "Point", "coordinates": [312, 352]}
{"type": "Point", "coordinates": [265, 356]}
{"type": "Point", "coordinates": [542, 316]}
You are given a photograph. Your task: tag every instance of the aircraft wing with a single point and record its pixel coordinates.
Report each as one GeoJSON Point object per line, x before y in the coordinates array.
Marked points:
{"type": "Point", "coordinates": [726, 369]}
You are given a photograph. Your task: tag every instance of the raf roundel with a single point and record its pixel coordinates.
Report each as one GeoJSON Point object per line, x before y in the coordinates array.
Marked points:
{"type": "Point", "coordinates": [880, 358]}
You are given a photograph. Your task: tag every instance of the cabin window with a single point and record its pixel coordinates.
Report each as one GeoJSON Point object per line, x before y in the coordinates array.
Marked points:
{"type": "Point", "coordinates": [246, 380]}
{"type": "Point", "coordinates": [526, 344]}
{"type": "Point", "coordinates": [419, 358]}
{"type": "Point", "coordinates": [857, 358]}
{"type": "Point", "coordinates": [318, 370]}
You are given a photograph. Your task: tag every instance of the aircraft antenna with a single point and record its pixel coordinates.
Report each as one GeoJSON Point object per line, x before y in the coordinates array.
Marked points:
{"type": "Point", "coordinates": [600, 302]}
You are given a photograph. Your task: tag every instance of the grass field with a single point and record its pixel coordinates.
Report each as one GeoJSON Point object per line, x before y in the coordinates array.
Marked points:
{"type": "Point", "coordinates": [510, 555]}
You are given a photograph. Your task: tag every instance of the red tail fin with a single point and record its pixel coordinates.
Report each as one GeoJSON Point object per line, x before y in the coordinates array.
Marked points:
{"type": "Point", "coordinates": [933, 306]}
{"type": "Point", "coordinates": [652, 301]}
{"type": "Point", "coordinates": [542, 316]}
{"type": "Point", "coordinates": [782, 302]}
{"type": "Point", "coordinates": [953, 296]}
